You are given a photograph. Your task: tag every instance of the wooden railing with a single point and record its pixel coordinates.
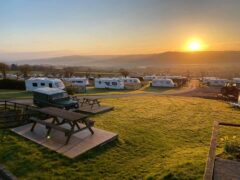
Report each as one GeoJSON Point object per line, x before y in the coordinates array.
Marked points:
{"type": "Point", "coordinates": [209, 169]}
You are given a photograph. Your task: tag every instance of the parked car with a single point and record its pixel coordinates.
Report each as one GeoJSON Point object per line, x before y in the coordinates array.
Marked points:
{"type": "Point", "coordinates": [53, 97]}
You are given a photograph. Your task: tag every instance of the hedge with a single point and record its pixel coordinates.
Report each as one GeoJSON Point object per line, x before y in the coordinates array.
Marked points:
{"type": "Point", "coordinates": [12, 84]}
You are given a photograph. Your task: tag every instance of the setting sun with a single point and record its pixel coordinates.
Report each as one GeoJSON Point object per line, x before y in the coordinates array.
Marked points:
{"type": "Point", "coordinates": [194, 46]}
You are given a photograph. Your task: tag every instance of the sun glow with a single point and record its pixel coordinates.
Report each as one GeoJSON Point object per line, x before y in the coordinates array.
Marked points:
{"type": "Point", "coordinates": [194, 46]}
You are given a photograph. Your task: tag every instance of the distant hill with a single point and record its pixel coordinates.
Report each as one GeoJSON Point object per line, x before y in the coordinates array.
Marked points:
{"type": "Point", "coordinates": [146, 60]}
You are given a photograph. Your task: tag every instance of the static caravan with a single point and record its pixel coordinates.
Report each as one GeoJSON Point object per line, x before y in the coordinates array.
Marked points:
{"type": "Point", "coordinates": [217, 82]}
{"type": "Point", "coordinates": [132, 83]}
{"type": "Point", "coordinates": [109, 83]}
{"type": "Point", "coordinates": [77, 81]}
{"type": "Point", "coordinates": [149, 78]}
{"type": "Point", "coordinates": [163, 83]}
{"type": "Point", "coordinates": [34, 83]}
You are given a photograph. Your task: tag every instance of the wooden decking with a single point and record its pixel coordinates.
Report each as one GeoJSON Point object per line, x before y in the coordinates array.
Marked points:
{"type": "Point", "coordinates": [80, 142]}
{"type": "Point", "coordinates": [226, 169]}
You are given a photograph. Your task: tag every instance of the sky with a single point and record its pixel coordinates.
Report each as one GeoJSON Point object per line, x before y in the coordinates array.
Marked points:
{"type": "Point", "coordinates": [117, 26]}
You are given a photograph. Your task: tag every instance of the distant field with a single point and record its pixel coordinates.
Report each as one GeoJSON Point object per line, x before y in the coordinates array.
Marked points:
{"type": "Point", "coordinates": [159, 138]}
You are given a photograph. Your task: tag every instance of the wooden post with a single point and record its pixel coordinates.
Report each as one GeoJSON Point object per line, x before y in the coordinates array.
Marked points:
{"type": "Point", "coordinates": [208, 175]}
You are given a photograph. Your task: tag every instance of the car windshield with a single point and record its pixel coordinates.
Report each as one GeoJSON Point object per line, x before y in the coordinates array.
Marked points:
{"type": "Point", "coordinates": [59, 96]}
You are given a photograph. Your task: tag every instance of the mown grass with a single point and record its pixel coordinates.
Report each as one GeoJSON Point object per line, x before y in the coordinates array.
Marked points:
{"type": "Point", "coordinates": [144, 89]}
{"type": "Point", "coordinates": [159, 138]}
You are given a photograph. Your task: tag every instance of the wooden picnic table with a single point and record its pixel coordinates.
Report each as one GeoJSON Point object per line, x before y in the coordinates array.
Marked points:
{"type": "Point", "coordinates": [60, 117]}
{"type": "Point", "coordinates": [90, 101]}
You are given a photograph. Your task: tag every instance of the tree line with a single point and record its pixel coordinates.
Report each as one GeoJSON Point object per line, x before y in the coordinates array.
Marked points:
{"type": "Point", "coordinates": [25, 70]}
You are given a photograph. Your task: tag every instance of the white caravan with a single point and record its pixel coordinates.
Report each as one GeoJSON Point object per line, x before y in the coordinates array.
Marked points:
{"type": "Point", "coordinates": [132, 83]}
{"type": "Point", "coordinates": [109, 83]}
{"type": "Point", "coordinates": [77, 81]}
{"type": "Point", "coordinates": [217, 82]}
{"type": "Point", "coordinates": [171, 77]}
{"type": "Point", "coordinates": [149, 78]}
{"type": "Point", "coordinates": [163, 83]}
{"type": "Point", "coordinates": [34, 83]}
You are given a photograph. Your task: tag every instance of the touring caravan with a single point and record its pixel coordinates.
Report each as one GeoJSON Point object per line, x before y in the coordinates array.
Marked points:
{"type": "Point", "coordinates": [217, 82]}
{"type": "Point", "coordinates": [149, 78]}
{"type": "Point", "coordinates": [34, 83]}
{"type": "Point", "coordinates": [132, 83]}
{"type": "Point", "coordinates": [163, 83]}
{"type": "Point", "coordinates": [179, 80]}
{"type": "Point", "coordinates": [77, 81]}
{"type": "Point", "coordinates": [109, 83]}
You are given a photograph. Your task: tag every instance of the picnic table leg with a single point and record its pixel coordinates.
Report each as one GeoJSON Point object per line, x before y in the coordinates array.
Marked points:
{"type": "Point", "coordinates": [49, 131]}
{"type": "Point", "coordinates": [33, 126]}
{"type": "Point", "coordinates": [68, 138]}
{"type": "Point", "coordinates": [98, 103]}
{"type": "Point", "coordinates": [83, 102]}
{"type": "Point", "coordinates": [88, 126]}
{"type": "Point", "coordinates": [49, 128]}
{"type": "Point", "coordinates": [90, 129]}
{"type": "Point", "coordinates": [71, 132]}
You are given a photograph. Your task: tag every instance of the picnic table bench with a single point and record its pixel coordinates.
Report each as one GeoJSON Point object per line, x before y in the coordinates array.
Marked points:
{"type": "Point", "coordinates": [62, 117]}
{"type": "Point", "coordinates": [90, 101]}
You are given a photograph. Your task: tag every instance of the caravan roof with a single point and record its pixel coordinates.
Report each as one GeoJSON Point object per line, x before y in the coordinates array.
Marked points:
{"type": "Point", "coordinates": [107, 79]}
{"type": "Point", "coordinates": [42, 79]}
{"type": "Point", "coordinates": [48, 91]}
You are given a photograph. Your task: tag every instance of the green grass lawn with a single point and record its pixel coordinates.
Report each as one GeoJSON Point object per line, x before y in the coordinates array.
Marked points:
{"type": "Point", "coordinates": [144, 89]}
{"type": "Point", "coordinates": [159, 138]}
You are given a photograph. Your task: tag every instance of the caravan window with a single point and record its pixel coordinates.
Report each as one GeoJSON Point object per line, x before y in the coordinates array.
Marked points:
{"type": "Point", "coordinates": [42, 84]}
{"type": "Point", "coordinates": [168, 82]}
{"type": "Point", "coordinates": [107, 83]}
{"type": "Point", "coordinates": [34, 84]}
{"type": "Point", "coordinates": [50, 85]}
{"type": "Point", "coordinates": [114, 83]}
{"type": "Point", "coordinates": [79, 81]}
{"type": "Point", "coordinates": [99, 82]}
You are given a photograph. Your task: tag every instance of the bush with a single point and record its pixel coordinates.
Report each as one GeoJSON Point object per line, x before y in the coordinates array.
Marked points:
{"type": "Point", "coordinates": [12, 84]}
{"type": "Point", "coordinates": [231, 147]}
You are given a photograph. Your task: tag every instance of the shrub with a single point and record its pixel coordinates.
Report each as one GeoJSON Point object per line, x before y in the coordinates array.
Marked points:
{"type": "Point", "coordinates": [12, 84]}
{"type": "Point", "coordinates": [231, 147]}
